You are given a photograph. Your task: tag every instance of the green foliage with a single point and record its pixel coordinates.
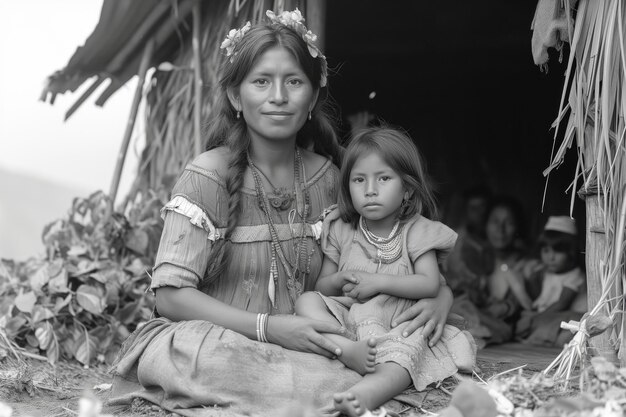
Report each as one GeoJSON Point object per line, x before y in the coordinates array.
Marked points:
{"type": "Point", "coordinates": [91, 290]}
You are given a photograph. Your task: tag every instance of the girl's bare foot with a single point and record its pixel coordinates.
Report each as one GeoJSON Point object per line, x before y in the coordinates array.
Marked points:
{"type": "Point", "coordinates": [347, 404]}
{"type": "Point", "coordinates": [360, 356]}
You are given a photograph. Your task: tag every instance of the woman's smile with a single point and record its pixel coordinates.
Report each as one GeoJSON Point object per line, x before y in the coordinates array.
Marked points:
{"type": "Point", "coordinates": [278, 115]}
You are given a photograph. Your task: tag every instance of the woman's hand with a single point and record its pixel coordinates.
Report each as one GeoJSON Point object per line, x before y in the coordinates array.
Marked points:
{"type": "Point", "coordinates": [303, 334]}
{"type": "Point", "coordinates": [431, 313]}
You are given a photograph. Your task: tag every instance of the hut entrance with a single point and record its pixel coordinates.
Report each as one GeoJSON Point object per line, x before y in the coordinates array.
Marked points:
{"type": "Point", "coordinates": [460, 78]}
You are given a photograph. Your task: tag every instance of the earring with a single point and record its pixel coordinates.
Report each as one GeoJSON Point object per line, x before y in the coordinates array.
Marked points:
{"type": "Point", "coordinates": [238, 114]}
{"type": "Point", "coordinates": [309, 115]}
{"type": "Point", "coordinates": [404, 205]}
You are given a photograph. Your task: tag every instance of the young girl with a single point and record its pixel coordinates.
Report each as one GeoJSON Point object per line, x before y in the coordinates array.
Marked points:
{"type": "Point", "coordinates": [381, 255]}
{"type": "Point", "coordinates": [563, 295]}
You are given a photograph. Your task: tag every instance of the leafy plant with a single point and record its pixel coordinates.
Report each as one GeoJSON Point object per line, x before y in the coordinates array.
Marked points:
{"type": "Point", "coordinates": [90, 290]}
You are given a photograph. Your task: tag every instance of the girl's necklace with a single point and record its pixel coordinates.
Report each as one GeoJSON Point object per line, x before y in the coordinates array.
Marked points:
{"type": "Point", "coordinates": [388, 249]}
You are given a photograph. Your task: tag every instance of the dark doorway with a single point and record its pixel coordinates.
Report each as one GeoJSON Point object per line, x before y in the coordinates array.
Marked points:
{"type": "Point", "coordinates": [459, 76]}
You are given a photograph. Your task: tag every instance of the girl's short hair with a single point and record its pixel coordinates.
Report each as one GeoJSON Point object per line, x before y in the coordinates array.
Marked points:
{"type": "Point", "coordinates": [399, 151]}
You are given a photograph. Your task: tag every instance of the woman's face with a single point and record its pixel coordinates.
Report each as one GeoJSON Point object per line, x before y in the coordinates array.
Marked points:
{"type": "Point", "coordinates": [275, 97]}
{"type": "Point", "coordinates": [501, 228]}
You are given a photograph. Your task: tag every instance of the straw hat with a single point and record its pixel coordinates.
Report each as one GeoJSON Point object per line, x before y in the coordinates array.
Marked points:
{"type": "Point", "coordinates": [564, 224]}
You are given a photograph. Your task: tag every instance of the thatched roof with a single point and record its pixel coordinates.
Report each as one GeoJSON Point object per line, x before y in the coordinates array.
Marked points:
{"type": "Point", "coordinates": [113, 51]}
{"type": "Point", "coordinates": [134, 35]}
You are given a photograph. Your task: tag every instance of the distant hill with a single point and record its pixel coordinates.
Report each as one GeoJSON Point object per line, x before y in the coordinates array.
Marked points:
{"type": "Point", "coordinates": [27, 204]}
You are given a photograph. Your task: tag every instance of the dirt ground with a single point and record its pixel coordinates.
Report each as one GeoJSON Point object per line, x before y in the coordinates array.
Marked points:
{"type": "Point", "coordinates": [34, 388]}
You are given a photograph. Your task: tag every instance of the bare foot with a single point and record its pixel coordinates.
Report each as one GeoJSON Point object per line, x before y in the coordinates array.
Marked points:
{"type": "Point", "coordinates": [347, 404]}
{"type": "Point", "coordinates": [360, 356]}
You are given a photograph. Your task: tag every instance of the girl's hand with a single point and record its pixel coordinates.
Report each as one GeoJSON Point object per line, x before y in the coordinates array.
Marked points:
{"type": "Point", "coordinates": [303, 334]}
{"type": "Point", "coordinates": [431, 313]}
{"type": "Point", "coordinates": [528, 267]}
{"type": "Point", "coordinates": [362, 286]}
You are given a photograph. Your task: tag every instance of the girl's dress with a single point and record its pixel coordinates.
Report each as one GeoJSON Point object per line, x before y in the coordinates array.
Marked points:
{"type": "Point", "coordinates": [349, 249]}
{"type": "Point", "coordinates": [547, 331]}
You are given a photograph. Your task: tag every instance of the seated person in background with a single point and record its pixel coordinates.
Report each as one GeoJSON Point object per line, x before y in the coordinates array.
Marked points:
{"type": "Point", "coordinates": [563, 295]}
{"type": "Point", "coordinates": [467, 261]}
{"type": "Point", "coordinates": [493, 303]}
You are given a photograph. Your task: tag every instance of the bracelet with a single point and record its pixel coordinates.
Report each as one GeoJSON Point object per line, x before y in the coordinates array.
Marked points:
{"type": "Point", "coordinates": [261, 327]}
{"type": "Point", "coordinates": [264, 328]}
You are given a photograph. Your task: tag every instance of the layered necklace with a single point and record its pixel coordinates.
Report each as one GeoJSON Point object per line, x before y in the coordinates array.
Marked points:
{"type": "Point", "coordinates": [281, 198]}
{"type": "Point", "coordinates": [388, 249]}
{"type": "Point", "coordinates": [297, 270]}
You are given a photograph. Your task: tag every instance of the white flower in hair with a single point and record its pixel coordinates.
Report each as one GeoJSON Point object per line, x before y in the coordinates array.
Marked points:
{"type": "Point", "coordinates": [233, 37]}
{"type": "Point", "coordinates": [295, 21]}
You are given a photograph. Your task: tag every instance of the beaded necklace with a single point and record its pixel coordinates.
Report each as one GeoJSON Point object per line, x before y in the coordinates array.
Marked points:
{"type": "Point", "coordinates": [388, 249]}
{"type": "Point", "coordinates": [281, 198]}
{"type": "Point", "coordinates": [300, 268]}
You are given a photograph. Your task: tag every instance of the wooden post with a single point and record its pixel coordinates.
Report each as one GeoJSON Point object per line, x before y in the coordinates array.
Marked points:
{"type": "Point", "coordinates": [197, 82]}
{"type": "Point", "coordinates": [596, 251]}
{"type": "Point", "coordinates": [130, 124]}
{"type": "Point", "coordinates": [316, 20]}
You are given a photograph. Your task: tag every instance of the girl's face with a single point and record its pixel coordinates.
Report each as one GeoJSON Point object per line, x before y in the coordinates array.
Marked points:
{"type": "Point", "coordinates": [554, 261]}
{"type": "Point", "coordinates": [376, 191]}
{"type": "Point", "coordinates": [501, 228]}
{"type": "Point", "coordinates": [275, 97]}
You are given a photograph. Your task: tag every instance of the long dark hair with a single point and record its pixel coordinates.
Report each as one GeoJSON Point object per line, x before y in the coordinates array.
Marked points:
{"type": "Point", "coordinates": [397, 149]}
{"type": "Point", "coordinates": [224, 129]}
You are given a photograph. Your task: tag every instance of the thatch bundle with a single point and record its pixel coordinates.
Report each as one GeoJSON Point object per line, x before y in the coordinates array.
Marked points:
{"type": "Point", "coordinates": [594, 105]}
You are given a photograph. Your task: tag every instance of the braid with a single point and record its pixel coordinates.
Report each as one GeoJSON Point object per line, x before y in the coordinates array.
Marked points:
{"type": "Point", "coordinates": [236, 168]}
{"type": "Point", "coordinates": [237, 141]}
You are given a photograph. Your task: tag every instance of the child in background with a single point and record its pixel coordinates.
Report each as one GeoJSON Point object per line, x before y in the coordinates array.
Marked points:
{"type": "Point", "coordinates": [563, 295]}
{"type": "Point", "coordinates": [381, 254]}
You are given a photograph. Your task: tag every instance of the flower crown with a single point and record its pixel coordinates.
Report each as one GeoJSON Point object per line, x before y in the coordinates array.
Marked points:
{"type": "Point", "coordinates": [293, 20]}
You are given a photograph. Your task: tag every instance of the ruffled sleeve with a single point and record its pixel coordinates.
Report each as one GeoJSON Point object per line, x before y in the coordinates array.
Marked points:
{"type": "Point", "coordinates": [424, 235]}
{"type": "Point", "coordinates": [194, 213]}
{"type": "Point", "coordinates": [189, 231]}
{"type": "Point", "coordinates": [330, 239]}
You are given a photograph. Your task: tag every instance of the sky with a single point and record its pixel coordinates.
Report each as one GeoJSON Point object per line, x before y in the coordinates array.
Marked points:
{"type": "Point", "coordinates": [73, 157]}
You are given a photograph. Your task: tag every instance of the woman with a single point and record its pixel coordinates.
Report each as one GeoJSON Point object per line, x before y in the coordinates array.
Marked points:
{"type": "Point", "coordinates": [493, 305]}
{"type": "Point", "coordinates": [239, 245]}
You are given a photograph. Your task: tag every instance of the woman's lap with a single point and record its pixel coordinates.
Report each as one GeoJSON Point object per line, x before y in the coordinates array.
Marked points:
{"type": "Point", "coordinates": [187, 366]}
